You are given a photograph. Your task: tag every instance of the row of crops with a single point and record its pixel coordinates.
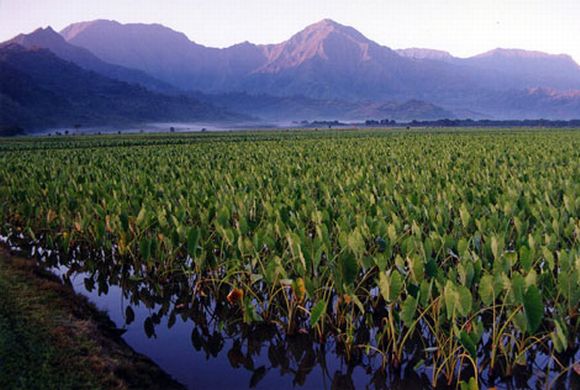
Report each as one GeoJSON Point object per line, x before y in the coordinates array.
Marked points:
{"type": "Point", "coordinates": [453, 251]}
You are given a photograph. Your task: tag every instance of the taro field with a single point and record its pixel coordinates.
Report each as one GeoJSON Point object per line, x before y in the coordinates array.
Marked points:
{"type": "Point", "coordinates": [453, 254]}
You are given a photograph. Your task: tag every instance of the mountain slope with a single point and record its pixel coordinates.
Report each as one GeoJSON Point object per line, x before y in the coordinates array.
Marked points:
{"type": "Point", "coordinates": [325, 60]}
{"type": "Point", "coordinates": [326, 41]}
{"type": "Point", "coordinates": [39, 90]}
{"type": "Point", "coordinates": [524, 69]}
{"type": "Point", "coordinates": [534, 103]}
{"type": "Point", "coordinates": [328, 60]}
{"type": "Point", "coordinates": [164, 53]}
{"type": "Point", "coordinates": [425, 54]}
{"type": "Point", "coordinates": [331, 62]}
{"type": "Point", "coordinates": [49, 39]}
{"type": "Point", "coordinates": [273, 108]}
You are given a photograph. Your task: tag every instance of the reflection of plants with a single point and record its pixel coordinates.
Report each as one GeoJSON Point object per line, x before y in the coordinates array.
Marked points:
{"type": "Point", "coordinates": [445, 250]}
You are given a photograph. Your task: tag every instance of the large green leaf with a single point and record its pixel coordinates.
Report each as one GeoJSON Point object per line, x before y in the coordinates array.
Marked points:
{"type": "Point", "coordinates": [450, 299]}
{"type": "Point", "coordinates": [192, 241]}
{"type": "Point", "coordinates": [348, 267]}
{"type": "Point", "coordinates": [390, 285]}
{"type": "Point", "coordinates": [417, 268]}
{"type": "Point", "coordinates": [518, 286]}
{"type": "Point", "coordinates": [317, 312]}
{"type": "Point", "coordinates": [559, 337]}
{"type": "Point", "coordinates": [408, 309]}
{"type": "Point", "coordinates": [458, 300]}
{"type": "Point", "coordinates": [486, 290]}
{"type": "Point", "coordinates": [468, 343]}
{"type": "Point", "coordinates": [356, 243]}
{"type": "Point", "coordinates": [465, 301]}
{"type": "Point", "coordinates": [525, 257]}
{"type": "Point", "coordinates": [534, 308]}
{"type": "Point", "coordinates": [465, 216]}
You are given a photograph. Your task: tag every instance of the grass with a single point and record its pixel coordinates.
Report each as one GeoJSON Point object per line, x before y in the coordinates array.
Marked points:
{"type": "Point", "coordinates": [51, 338]}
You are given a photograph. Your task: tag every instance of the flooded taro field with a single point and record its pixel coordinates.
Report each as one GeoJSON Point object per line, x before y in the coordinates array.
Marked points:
{"type": "Point", "coordinates": [335, 259]}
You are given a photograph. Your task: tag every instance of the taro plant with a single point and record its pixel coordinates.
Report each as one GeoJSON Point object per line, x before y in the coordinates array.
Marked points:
{"type": "Point", "coordinates": [455, 250]}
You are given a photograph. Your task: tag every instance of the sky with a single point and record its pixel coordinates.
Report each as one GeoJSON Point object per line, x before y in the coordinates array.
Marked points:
{"type": "Point", "coordinates": [462, 27]}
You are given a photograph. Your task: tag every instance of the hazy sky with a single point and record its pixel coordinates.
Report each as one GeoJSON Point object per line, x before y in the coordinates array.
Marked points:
{"type": "Point", "coordinates": [463, 27]}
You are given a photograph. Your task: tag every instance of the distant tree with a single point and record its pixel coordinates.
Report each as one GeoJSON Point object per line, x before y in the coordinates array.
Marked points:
{"type": "Point", "coordinates": [172, 129]}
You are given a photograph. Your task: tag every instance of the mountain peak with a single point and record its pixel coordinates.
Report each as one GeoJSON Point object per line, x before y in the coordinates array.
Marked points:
{"type": "Point", "coordinates": [71, 31]}
{"type": "Point", "coordinates": [325, 40]}
{"type": "Point", "coordinates": [325, 23]}
{"type": "Point", "coordinates": [96, 29]}
{"type": "Point", "coordinates": [326, 27]}
{"type": "Point", "coordinates": [41, 37]}
{"type": "Point", "coordinates": [47, 31]}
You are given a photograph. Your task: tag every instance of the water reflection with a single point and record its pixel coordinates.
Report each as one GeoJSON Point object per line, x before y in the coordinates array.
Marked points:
{"type": "Point", "coordinates": [196, 336]}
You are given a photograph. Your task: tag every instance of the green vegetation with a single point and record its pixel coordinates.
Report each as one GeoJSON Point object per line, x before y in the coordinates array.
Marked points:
{"type": "Point", "coordinates": [51, 338]}
{"type": "Point", "coordinates": [458, 250]}
{"type": "Point", "coordinates": [30, 359]}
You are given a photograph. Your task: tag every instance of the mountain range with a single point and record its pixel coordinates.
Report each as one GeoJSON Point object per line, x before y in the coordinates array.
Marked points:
{"type": "Point", "coordinates": [326, 71]}
{"type": "Point", "coordinates": [39, 90]}
{"type": "Point", "coordinates": [47, 38]}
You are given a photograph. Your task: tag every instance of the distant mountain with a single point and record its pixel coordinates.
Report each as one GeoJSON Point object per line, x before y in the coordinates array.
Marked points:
{"type": "Point", "coordinates": [273, 108]}
{"type": "Point", "coordinates": [325, 41]}
{"type": "Point", "coordinates": [49, 39]}
{"type": "Point", "coordinates": [425, 54]}
{"type": "Point", "coordinates": [331, 61]}
{"type": "Point", "coordinates": [405, 111]}
{"type": "Point", "coordinates": [527, 69]}
{"type": "Point", "coordinates": [40, 90]}
{"type": "Point", "coordinates": [280, 108]}
{"type": "Point", "coordinates": [164, 53]}
{"type": "Point", "coordinates": [326, 60]}
{"type": "Point", "coordinates": [534, 103]}
{"type": "Point", "coordinates": [331, 67]}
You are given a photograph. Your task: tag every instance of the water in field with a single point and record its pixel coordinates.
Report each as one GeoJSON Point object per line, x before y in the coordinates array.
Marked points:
{"type": "Point", "coordinates": [201, 352]}
{"type": "Point", "coordinates": [196, 342]}
{"type": "Point", "coordinates": [203, 356]}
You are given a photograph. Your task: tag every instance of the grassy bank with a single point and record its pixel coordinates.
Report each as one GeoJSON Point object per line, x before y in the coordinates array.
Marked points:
{"type": "Point", "coordinates": [52, 338]}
